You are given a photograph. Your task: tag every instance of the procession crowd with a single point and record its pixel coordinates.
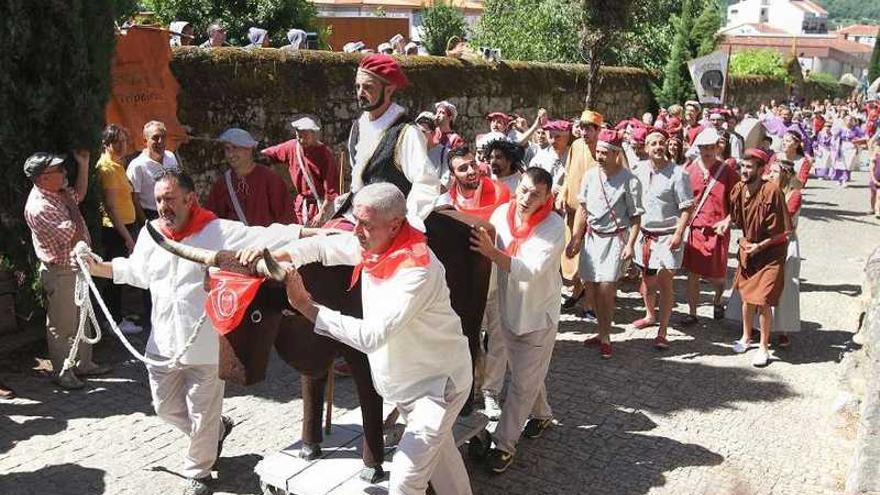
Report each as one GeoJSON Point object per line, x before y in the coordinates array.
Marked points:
{"type": "Point", "coordinates": [553, 201]}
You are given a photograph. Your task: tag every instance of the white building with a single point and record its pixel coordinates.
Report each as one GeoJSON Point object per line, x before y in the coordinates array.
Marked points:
{"type": "Point", "coordinates": [790, 16]}
{"type": "Point", "coordinates": [860, 33]}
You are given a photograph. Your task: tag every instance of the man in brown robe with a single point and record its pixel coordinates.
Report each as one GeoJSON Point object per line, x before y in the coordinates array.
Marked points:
{"type": "Point", "coordinates": [758, 208]}
{"type": "Point", "coordinates": [581, 157]}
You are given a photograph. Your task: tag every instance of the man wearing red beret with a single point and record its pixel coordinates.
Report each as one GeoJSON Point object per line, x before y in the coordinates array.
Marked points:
{"type": "Point", "coordinates": [758, 208]}
{"type": "Point", "coordinates": [384, 146]}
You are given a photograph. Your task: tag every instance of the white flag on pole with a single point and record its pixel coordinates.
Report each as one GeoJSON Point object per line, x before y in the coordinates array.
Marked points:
{"type": "Point", "coordinates": [709, 74]}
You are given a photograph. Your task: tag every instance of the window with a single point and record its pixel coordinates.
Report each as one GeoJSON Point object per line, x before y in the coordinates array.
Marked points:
{"type": "Point", "coordinates": [764, 17]}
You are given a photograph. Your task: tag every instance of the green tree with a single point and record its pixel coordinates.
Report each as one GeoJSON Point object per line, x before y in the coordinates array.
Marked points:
{"type": "Point", "coordinates": [874, 66]}
{"type": "Point", "coordinates": [54, 85]}
{"type": "Point", "coordinates": [676, 86]}
{"type": "Point", "coordinates": [603, 24]}
{"type": "Point", "coordinates": [535, 30]}
{"type": "Point", "coordinates": [705, 29]}
{"type": "Point", "coordinates": [759, 62]}
{"type": "Point", "coordinates": [275, 16]}
{"type": "Point", "coordinates": [441, 21]}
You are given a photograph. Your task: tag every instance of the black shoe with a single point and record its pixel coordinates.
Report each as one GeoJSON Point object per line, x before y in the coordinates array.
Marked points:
{"type": "Point", "coordinates": [372, 475]}
{"type": "Point", "coordinates": [478, 445]}
{"type": "Point", "coordinates": [310, 451]}
{"type": "Point", "coordinates": [571, 300]}
{"type": "Point", "coordinates": [535, 427]}
{"type": "Point", "coordinates": [498, 460]}
{"type": "Point", "coordinates": [228, 425]}
{"type": "Point", "coordinates": [718, 312]}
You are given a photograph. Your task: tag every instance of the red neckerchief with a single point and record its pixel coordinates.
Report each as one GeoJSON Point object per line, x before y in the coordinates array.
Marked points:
{"type": "Point", "coordinates": [408, 249]}
{"type": "Point", "coordinates": [524, 231]}
{"type": "Point", "coordinates": [492, 195]}
{"type": "Point", "coordinates": [198, 218]}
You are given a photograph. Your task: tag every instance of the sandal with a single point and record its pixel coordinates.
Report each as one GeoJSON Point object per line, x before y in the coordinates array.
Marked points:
{"type": "Point", "coordinates": [689, 320]}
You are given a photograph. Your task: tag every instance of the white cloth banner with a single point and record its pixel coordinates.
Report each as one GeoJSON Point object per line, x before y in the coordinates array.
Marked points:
{"type": "Point", "coordinates": [709, 74]}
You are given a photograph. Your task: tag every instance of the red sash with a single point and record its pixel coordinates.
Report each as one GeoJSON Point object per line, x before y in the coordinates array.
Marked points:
{"type": "Point", "coordinates": [229, 297]}
{"type": "Point", "coordinates": [409, 249]}
{"type": "Point", "coordinates": [524, 231]}
{"type": "Point", "coordinates": [492, 195]}
{"type": "Point", "coordinates": [198, 218]}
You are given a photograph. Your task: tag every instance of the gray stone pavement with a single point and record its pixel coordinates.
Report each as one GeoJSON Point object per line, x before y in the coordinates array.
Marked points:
{"type": "Point", "coordinates": [696, 419]}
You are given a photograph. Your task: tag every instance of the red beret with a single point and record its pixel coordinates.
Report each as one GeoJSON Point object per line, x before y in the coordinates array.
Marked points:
{"type": "Point", "coordinates": [609, 138]}
{"type": "Point", "coordinates": [557, 125]}
{"type": "Point", "coordinates": [638, 134]}
{"type": "Point", "coordinates": [758, 154]}
{"type": "Point", "coordinates": [385, 68]}
{"type": "Point", "coordinates": [498, 115]}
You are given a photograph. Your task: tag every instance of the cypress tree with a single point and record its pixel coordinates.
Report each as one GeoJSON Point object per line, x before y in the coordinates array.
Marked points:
{"type": "Point", "coordinates": [53, 88]}
{"type": "Point", "coordinates": [676, 81]}
{"type": "Point", "coordinates": [874, 66]}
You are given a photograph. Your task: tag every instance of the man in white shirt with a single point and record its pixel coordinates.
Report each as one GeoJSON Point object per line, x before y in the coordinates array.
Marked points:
{"type": "Point", "coordinates": [529, 241]}
{"type": "Point", "coordinates": [152, 160]}
{"type": "Point", "coordinates": [384, 145]}
{"type": "Point", "coordinates": [190, 395]}
{"type": "Point", "coordinates": [413, 339]}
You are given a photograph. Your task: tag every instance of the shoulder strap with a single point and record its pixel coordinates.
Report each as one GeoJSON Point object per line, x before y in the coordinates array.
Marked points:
{"type": "Point", "coordinates": [705, 195]}
{"type": "Point", "coordinates": [608, 203]}
{"type": "Point", "coordinates": [232, 197]}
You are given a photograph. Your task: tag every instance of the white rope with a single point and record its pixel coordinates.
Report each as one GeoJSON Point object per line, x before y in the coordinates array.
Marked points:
{"type": "Point", "coordinates": [84, 282]}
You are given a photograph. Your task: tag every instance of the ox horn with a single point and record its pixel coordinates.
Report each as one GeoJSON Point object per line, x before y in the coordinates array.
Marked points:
{"type": "Point", "coordinates": [269, 267]}
{"type": "Point", "coordinates": [196, 255]}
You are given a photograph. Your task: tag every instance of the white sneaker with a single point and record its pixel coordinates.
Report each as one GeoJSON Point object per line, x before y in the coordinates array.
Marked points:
{"type": "Point", "coordinates": [762, 358]}
{"type": "Point", "coordinates": [491, 408]}
{"type": "Point", "coordinates": [740, 347]}
{"type": "Point", "coordinates": [129, 327]}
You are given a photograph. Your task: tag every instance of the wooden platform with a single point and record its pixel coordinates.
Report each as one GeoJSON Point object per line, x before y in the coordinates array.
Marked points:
{"type": "Point", "coordinates": [336, 471]}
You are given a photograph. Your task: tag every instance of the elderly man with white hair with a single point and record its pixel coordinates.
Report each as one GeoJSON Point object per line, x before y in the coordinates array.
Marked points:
{"type": "Point", "coordinates": [248, 192]}
{"type": "Point", "coordinates": [412, 337]}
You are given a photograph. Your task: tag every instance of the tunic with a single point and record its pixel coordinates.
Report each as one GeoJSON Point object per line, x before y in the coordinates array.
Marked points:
{"type": "Point", "coordinates": [706, 252]}
{"type": "Point", "coordinates": [760, 277]}
{"type": "Point", "coordinates": [666, 193]}
{"type": "Point", "coordinates": [607, 227]}
{"type": "Point", "coordinates": [321, 165]}
{"type": "Point", "coordinates": [262, 194]}
{"type": "Point", "coordinates": [579, 160]}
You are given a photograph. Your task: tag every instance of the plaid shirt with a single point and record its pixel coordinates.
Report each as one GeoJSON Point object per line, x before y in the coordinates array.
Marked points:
{"type": "Point", "coordinates": [56, 224]}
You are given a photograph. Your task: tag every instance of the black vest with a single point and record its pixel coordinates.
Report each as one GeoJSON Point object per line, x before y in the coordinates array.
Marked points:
{"type": "Point", "coordinates": [383, 166]}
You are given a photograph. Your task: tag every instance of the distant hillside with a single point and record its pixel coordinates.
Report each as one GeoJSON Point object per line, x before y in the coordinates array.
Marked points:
{"type": "Point", "coordinates": [844, 12]}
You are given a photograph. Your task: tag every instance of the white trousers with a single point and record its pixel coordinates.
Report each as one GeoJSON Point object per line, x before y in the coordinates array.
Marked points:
{"type": "Point", "coordinates": [529, 359]}
{"type": "Point", "coordinates": [190, 397]}
{"type": "Point", "coordinates": [427, 451]}
{"type": "Point", "coordinates": [496, 354]}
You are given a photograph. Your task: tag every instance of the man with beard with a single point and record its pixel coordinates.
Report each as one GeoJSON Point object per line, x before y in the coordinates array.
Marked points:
{"type": "Point", "coordinates": [505, 159]}
{"type": "Point", "coordinates": [758, 208]}
{"type": "Point", "coordinates": [705, 254]}
{"type": "Point", "coordinates": [668, 199]}
{"type": "Point", "coordinates": [528, 243]}
{"type": "Point", "coordinates": [580, 159]}
{"type": "Point", "coordinates": [249, 192]}
{"type": "Point", "coordinates": [445, 115]}
{"type": "Point", "coordinates": [470, 192]}
{"type": "Point", "coordinates": [384, 146]}
{"type": "Point", "coordinates": [419, 357]}
{"type": "Point", "coordinates": [606, 228]}
{"type": "Point", "coordinates": [188, 396]}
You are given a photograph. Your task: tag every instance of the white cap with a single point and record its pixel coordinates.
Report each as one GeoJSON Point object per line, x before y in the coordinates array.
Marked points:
{"type": "Point", "coordinates": [384, 46]}
{"type": "Point", "coordinates": [707, 137]}
{"type": "Point", "coordinates": [484, 139]}
{"type": "Point", "coordinates": [238, 137]}
{"type": "Point", "coordinates": [397, 38]}
{"type": "Point", "coordinates": [409, 46]}
{"type": "Point", "coordinates": [353, 47]}
{"type": "Point", "coordinates": [425, 116]}
{"type": "Point", "coordinates": [305, 124]}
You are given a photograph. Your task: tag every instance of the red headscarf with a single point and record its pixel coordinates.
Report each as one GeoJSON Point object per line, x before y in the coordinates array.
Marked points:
{"type": "Point", "coordinates": [198, 218]}
{"type": "Point", "coordinates": [408, 249]}
{"type": "Point", "coordinates": [492, 195]}
{"type": "Point", "coordinates": [524, 231]}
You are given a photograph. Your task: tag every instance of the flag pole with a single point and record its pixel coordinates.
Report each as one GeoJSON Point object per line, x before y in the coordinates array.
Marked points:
{"type": "Point", "coordinates": [726, 77]}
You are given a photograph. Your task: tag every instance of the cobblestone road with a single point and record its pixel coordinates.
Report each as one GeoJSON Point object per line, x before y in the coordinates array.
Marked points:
{"type": "Point", "coordinates": [695, 419]}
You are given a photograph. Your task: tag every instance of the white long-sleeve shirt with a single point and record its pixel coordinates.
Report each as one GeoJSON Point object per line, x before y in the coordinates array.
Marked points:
{"type": "Point", "coordinates": [177, 285]}
{"type": "Point", "coordinates": [529, 293]}
{"type": "Point", "coordinates": [409, 331]}
{"type": "Point", "coordinates": [413, 156]}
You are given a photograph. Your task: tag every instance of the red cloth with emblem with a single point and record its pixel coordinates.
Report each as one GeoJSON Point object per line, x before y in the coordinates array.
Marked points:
{"type": "Point", "coordinates": [409, 249]}
{"type": "Point", "coordinates": [492, 195]}
{"type": "Point", "coordinates": [229, 296]}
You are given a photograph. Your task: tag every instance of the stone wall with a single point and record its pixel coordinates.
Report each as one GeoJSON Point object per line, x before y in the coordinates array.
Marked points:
{"type": "Point", "coordinates": [260, 91]}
